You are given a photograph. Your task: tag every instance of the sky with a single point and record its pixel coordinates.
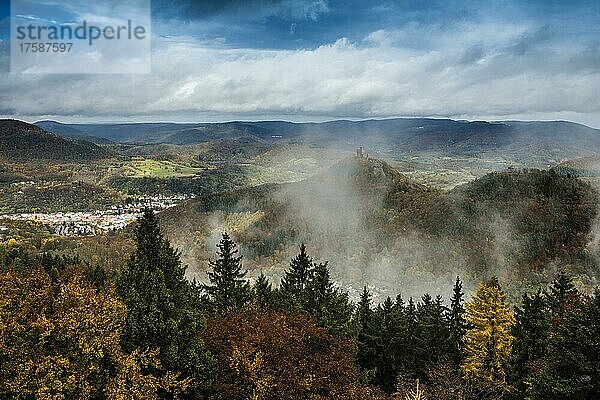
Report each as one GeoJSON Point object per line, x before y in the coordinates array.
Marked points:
{"type": "Point", "coordinates": [314, 60]}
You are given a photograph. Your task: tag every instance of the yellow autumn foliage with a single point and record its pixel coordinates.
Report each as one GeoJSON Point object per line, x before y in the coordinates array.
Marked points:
{"type": "Point", "coordinates": [61, 340]}
{"type": "Point", "coordinates": [489, 339]}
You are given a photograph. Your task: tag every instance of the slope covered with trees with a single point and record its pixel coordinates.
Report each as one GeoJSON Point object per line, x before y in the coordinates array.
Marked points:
{"type": "Point", "coordinates": [386, 228]}
{"type": "Point", "coordinates": [22, 141]}
{"type": "Point", "coordinates": [68, 330]}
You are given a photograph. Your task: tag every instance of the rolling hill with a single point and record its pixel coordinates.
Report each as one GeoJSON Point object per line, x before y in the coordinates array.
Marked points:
{"type": "Point", "coordinates": [439, 152]}
{"type": "Point", "coordinates": [22, 141]}
{"type": "Point", "coordinates": [583, 167]}
{"type": "Point", "coordinates": [70, 132]}
{"type": "Point", "coordinates": [409, 134]}
{"type": "Point", "coordinates": [375, 225]}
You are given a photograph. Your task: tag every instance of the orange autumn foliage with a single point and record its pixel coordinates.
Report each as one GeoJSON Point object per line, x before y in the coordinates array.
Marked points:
{"type": "Point", "coordinates": [61, 339]}
{"type": "Point", "coordinates": [274, 355]}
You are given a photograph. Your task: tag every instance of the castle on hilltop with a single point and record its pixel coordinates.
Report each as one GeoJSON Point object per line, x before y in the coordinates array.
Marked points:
{"type": "Point", "coordinates": [376, 165]}
{"type": "Point", "coordinates": [360, 153]}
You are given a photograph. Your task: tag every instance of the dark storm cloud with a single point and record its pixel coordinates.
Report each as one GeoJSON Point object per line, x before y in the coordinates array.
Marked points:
{"type": "Point", "coordinates": [200, 9]}
{"type": "Point", "coordinates": [247, 10]}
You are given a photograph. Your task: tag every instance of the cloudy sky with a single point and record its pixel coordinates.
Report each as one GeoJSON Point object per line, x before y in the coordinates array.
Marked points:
{"type": "Point", "coordinates": [323, 59]}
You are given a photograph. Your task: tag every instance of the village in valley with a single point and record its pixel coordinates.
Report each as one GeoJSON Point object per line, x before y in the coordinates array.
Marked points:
{"type": "Point", "coordinates": [90, 223]}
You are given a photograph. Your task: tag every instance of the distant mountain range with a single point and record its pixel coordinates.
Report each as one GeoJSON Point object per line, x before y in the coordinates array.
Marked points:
{"type": "Point", "coordinates": [23, 141]}
{"type": "Point", "coordinates": [70, 132]}
{"type": "Point", "coordinates": [404, 134]}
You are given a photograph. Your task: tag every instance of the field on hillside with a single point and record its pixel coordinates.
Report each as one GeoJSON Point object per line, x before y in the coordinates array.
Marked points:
{"type": "Point", "coordinates": [445, 171]}
{"type": "Point", "coordinates": [151, 168]}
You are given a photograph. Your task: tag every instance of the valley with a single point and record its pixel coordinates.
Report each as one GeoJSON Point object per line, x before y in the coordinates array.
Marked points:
{"type": "Point", "coordinates": [428, 200]}
{"type": "Point", "coordinates": [423, 202]}
{"type": "Point", "coordinates": [97, 222]}
{"type": "Point", "coordinates": [300, 200]}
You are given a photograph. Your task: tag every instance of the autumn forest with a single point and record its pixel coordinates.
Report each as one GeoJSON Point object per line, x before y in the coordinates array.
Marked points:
{"type": "Point", "coordinates": [69, 330]}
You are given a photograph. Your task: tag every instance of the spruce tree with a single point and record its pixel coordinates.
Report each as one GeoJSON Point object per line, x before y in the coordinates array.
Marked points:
{"type": "Point", "coordinates": [263, 294]}
{"type": "Point", "coordinates": [571, 368]}
{"type": "Point", "coordinates": [531, 332]}
{"type": "Point", "coordinates": [388, 341]}
{"type": "Point", "coordinates": [431, 335]}
{"type": "Point", "coordinates": [163, 308]}
{"type": "Point", "coordinates": [330, 306]}
{"type": "Point", "coordinates": [228, 289]}
{"type": "Point", "coordinates": [562, 290]}
{"type": "Point", "coordinates": [457, 324]}
{"type": "Point", "coordinates": [319, 290]}
{"type": "Point", "coordinates": [403, 348]}
{"type": "Point", "coordinates": [411, 336]}
{"type": "Point", "coordinates": [296, 279]}
{"type": "Point", "coordinates": [489, 338]}
{"type": "Point", "coordinates": [307, 287]}
{"type": "Point", "coordinates": [366, 332]}
{"type": "Point", "coordinates": [364, 311]}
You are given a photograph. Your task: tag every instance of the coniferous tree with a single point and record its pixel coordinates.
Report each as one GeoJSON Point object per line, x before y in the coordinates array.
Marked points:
{"type": "Point", "coordinates": [411, 335]}
{"type": "Point", "coordinates": [431, 338]}
{"type": "Point", "coordinates": [367, 333]}
{"type": "Point", "coordinates": [330, 307]}
{"type": "Point", "coordinates": [296, 279]}
{"type": "Point", "coordinates": [364, 312]}
{"type": "Point", "coordinates": [457, 324]}
{"type": "Point", "coordinates": [163, 308]}
{"type": "Point", "coordinates": [319, 289]}
{"type": "Point", "coordinates": [229, 289]}
{"type": "Point", "coordinates": [307, 287]}
{"type": "Point", "coordinates": [489, 338]}
{"type": "Point", "coordinates": [562, 290]}
{"type": "Point", "coordinates": [571, 368]}
{"type": "Point", "coordinates": [403, 348]}
{"type": "Point", "coordinates": [531, 332]}
{"type": "Point", "coordinates": [442, 330]}
{"type": "Point", "coordinates": [263, 294]}
{"type": "Point", "coordinates": [388, 341]}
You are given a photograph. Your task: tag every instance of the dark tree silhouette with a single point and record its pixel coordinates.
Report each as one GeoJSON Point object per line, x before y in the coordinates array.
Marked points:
{"type": "Point", "coordinates": [163, 307]}
{"type": "Point", "coordinates": [229, 289]}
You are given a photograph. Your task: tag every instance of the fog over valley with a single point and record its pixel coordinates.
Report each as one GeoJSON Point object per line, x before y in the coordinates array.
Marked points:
{"type": "Point", "coordinates": [300, 199]}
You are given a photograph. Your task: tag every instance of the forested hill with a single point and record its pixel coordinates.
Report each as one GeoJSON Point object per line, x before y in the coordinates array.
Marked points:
{"type": "Point", "coordinates": [407, 134]}
{"type": "Point", "coordinates": [540, 215]}
{"type": "Point", "coordinates": [582, 167]}
{"type": "Point", "coordinates": [374, 224]}
{"type": "Point", "coordinates": [20, 140]}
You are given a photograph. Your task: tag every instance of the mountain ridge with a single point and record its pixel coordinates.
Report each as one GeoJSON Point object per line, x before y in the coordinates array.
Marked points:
{"type": "Point", "coordinates": [20, 140]}
{"type": "Point", "coordinates": [402, 129]}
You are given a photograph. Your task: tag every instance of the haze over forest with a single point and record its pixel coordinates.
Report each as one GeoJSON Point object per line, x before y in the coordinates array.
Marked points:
{"type": "Point", "coordinates": [426, 200]}
{"type": "Point", "coordinates": [300, 199]}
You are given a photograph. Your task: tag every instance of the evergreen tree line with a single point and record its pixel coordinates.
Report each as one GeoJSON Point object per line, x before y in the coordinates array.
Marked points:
{"type": "Point", "coordinates": [227, 339]}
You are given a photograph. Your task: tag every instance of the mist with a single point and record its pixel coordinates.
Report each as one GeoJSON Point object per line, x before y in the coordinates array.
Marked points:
{"type": "Point", "coordinates": [338, 216]}
{"type": "Point", "coordinates": [392, 232]}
